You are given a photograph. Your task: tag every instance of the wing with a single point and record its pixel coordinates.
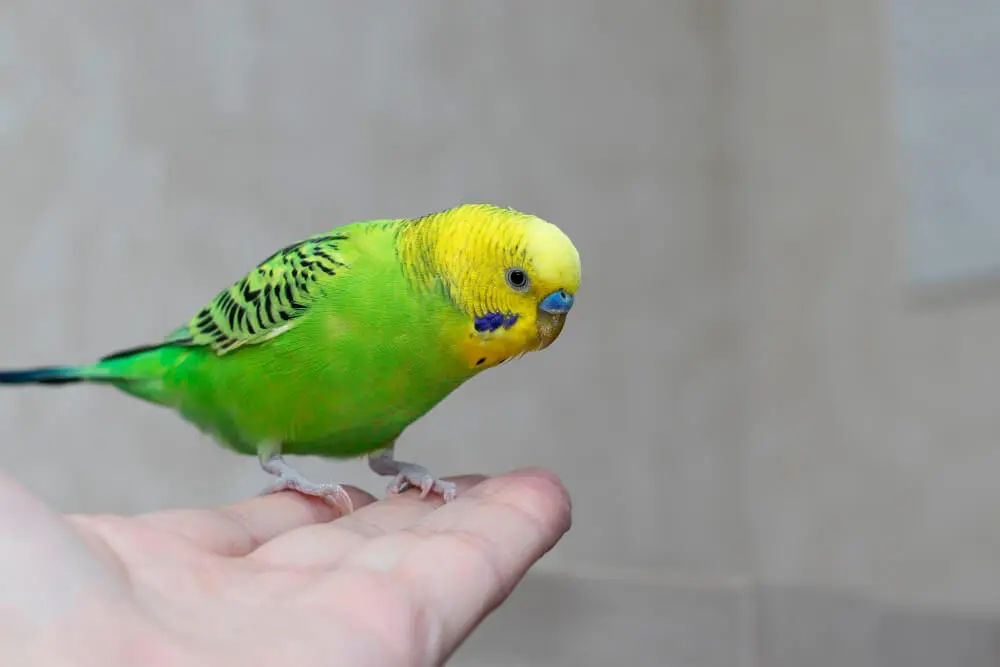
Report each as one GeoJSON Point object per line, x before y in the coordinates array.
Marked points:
{"type": "Point", "coordinates": [269, 300]}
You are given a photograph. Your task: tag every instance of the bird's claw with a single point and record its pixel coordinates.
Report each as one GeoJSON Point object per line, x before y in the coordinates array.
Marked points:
{"type": "Point", "coordinates": [332, 494]}
{"type": "Point", "coordinates": [426, 483]}
{"type": "Point", "coordinates": [409, 475]}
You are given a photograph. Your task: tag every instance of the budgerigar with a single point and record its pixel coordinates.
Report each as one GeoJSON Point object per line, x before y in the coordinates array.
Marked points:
{"type": "Point", "coordinates": [334, 345]}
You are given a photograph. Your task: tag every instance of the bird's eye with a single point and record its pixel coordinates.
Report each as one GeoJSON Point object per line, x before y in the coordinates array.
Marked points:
{"type": "Point", "coordinates": [517, 279]}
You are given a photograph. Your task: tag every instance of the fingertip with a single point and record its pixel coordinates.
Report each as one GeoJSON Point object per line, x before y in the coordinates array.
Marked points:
{"type": "Point", "coordinates": [536, 491]}
{"type": "Point", "coordinates": [546, 480]}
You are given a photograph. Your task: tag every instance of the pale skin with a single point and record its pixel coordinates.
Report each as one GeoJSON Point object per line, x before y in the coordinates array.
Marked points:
{"type": "Point", "coordinates": [280, 579]}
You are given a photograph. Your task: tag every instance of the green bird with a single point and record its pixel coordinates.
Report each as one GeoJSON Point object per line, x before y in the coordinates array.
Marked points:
{"type": "Point", "coordinates": [332, 346]}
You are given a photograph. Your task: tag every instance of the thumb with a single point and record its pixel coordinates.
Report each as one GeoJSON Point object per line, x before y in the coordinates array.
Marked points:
{"type": "Point", "coordinates": [48, 568]}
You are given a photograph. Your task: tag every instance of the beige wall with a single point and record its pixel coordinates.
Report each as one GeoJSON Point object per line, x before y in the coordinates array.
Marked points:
{"type": "Point", "coordinates": [872, 443]}
{"type": "Point", "coordinates": [762, 414]}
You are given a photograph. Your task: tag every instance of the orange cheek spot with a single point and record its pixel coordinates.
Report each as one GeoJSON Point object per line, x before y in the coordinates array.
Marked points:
{"type": "Point", "coordinates": [486, 350]}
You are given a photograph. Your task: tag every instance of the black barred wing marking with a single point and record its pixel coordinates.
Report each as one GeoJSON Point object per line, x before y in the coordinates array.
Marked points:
{"type": "Point", "coordinates": [266, 302]}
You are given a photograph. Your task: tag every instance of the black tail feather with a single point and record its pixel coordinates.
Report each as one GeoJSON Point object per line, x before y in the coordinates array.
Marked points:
{"type": "Point", "coordinates": [53, 375]}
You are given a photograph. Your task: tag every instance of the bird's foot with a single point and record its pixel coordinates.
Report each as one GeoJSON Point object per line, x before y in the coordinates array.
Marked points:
{"type": "Point", "coordinates": [418, 477]}
{"type": "Point", "coordinates": [410, 475]}
{"type": "Point", "coordinates": [291, 479]}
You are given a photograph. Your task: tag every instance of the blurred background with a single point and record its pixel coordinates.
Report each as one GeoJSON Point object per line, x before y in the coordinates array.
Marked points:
{"type": "Point", "coordinates": [782, 364]}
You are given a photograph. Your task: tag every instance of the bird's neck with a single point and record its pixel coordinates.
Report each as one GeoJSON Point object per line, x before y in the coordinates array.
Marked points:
{"type": "Point", "coordinates": [453, 249]}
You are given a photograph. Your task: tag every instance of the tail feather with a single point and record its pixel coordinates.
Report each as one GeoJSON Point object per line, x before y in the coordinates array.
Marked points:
{"type": "Point", "coordinates": [138, 371]}
{"type": "Point", "coordinates": [52, 375]}
{"type": "Point", "coordinates": [117, 367]}
{"type": "Point", "coordinates": [56, 375]}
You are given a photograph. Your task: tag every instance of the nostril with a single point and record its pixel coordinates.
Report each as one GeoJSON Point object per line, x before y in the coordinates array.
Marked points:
{"type": "Point", "coordinates": [558, 301]}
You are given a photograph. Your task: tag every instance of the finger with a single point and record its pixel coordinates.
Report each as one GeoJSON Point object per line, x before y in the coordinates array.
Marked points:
{"type": "Point", "coordinates": [49, 568]}
{"type": "Point", "coordinates": [325, 545]}
{"type": "Point", "coordinates": [402, 510]}
{"type": "Point", "coordinates": [238, 529]}
{"type": "Point", "coordinates": [477, 549]}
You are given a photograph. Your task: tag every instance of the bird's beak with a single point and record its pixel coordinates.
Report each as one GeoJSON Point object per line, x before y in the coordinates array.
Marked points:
{"type": "Point", "coordinates": [552, 316]}
{"type": "Point", "coordinates": [557, 303]}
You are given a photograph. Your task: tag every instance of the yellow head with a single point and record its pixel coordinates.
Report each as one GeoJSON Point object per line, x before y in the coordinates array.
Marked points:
{"type": "Point", "coordinates": [513, 274]}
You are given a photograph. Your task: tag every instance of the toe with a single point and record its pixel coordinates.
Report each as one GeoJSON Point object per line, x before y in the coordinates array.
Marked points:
{"type": "Point", "coordinates": [398, 485]}
{"type": "Point", "coordinates": [448, 491]}
{"type": "Point", "coordinates": [340, 499]}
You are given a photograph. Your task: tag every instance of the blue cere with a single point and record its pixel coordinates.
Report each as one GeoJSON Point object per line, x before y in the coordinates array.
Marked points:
{"type": "Point", "coordinates": [557, 302]}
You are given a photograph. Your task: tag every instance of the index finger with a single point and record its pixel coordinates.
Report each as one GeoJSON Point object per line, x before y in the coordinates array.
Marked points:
{"type": "Point", "coordinates": [238, 529]}
{"type": "Point", "coordinates": [477, 548]}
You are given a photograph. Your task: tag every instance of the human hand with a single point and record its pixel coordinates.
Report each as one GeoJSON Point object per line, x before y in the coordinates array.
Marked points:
{"type": "Point", "coordinates": [273, 580]}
